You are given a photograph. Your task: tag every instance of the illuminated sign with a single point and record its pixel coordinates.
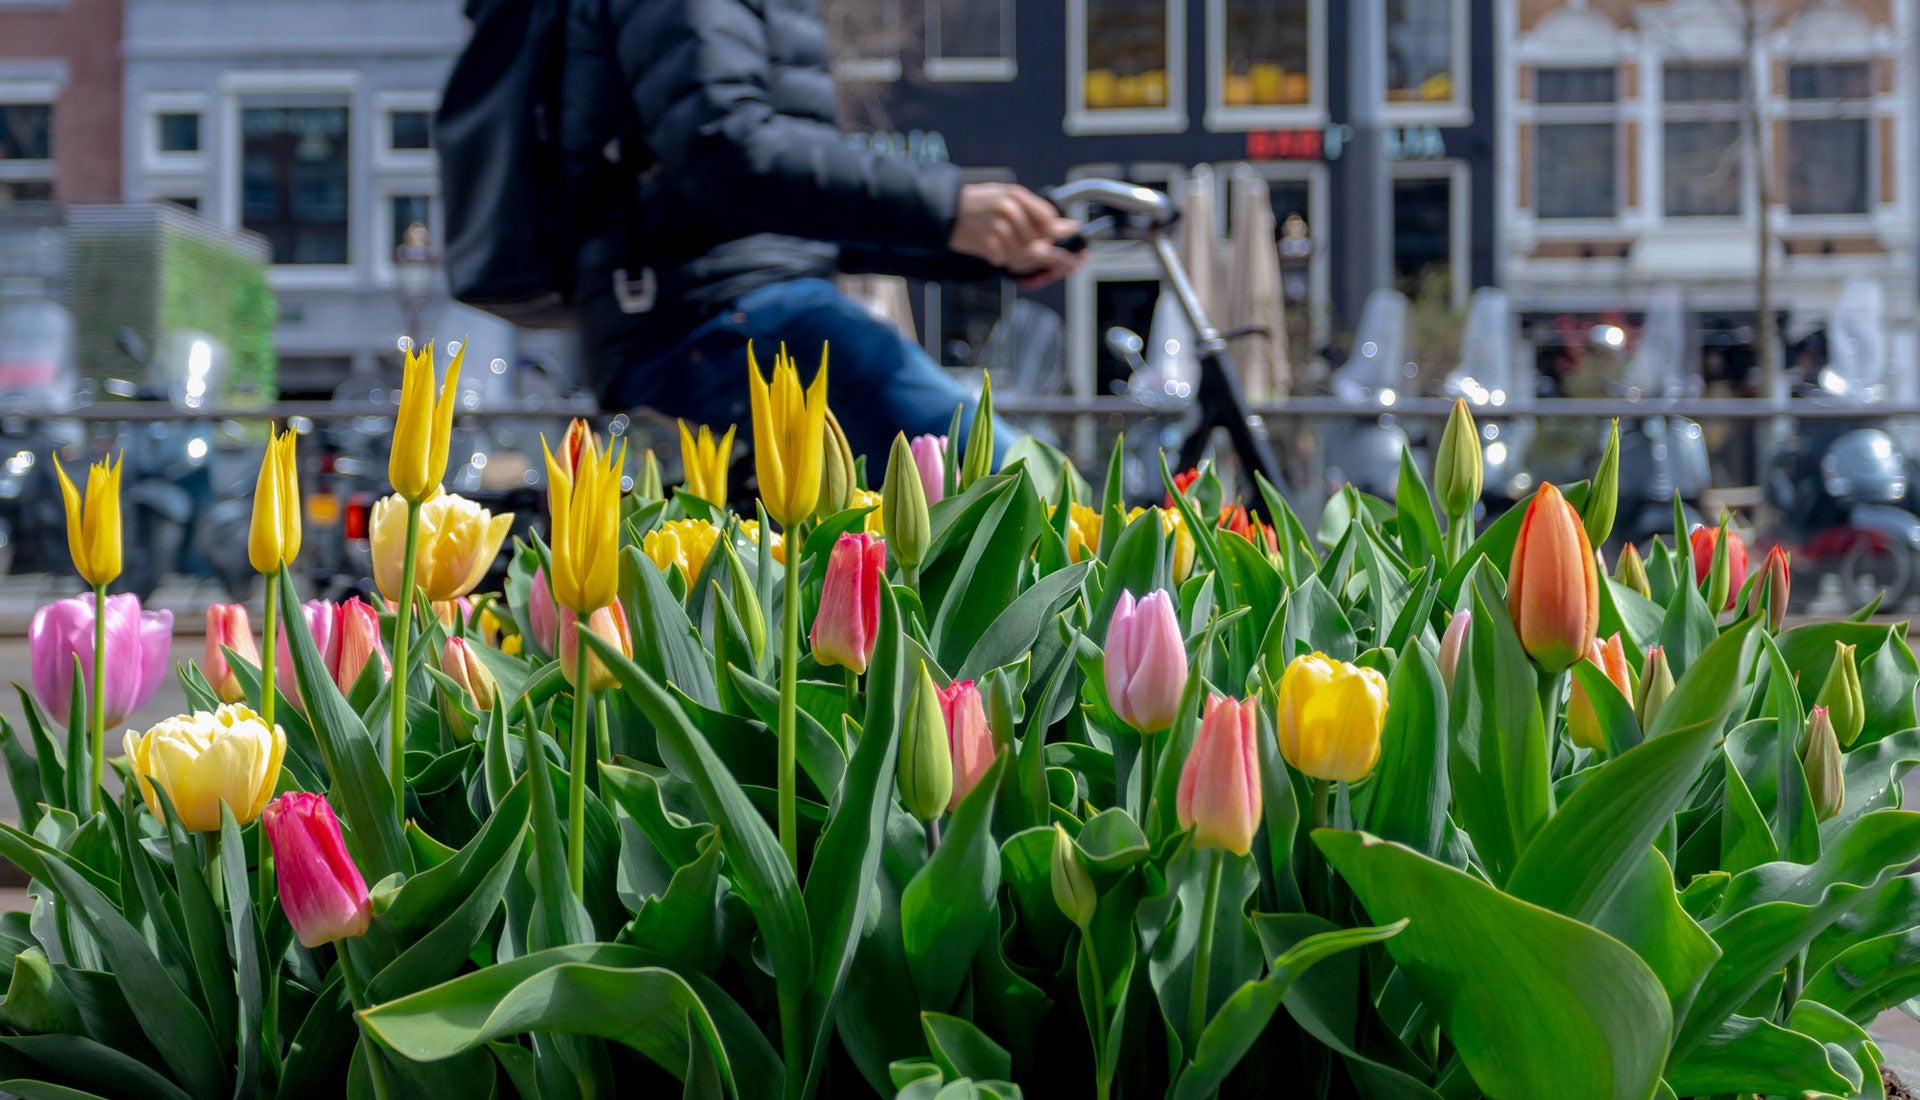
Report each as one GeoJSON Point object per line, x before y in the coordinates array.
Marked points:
{"type": "Point", "coordinates": [926, 146]}
{"type": "Point", "coordinates": [1402, 143]}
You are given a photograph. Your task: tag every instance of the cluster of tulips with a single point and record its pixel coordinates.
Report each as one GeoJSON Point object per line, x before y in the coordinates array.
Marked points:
{"type": "Point", "coordinates": [971, 783]}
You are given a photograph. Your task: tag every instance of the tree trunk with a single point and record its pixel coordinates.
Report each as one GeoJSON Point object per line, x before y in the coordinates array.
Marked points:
{"type": "Point", "coordinates": [1767, 328]}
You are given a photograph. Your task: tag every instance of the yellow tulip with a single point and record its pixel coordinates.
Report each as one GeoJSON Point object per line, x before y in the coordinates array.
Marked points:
{"type": "Point", "coordinates": [706, 462]}
{"type": "Point", "coordinates": [458, 542]}
{"type": "Point", "coordinates": [274, 539]}
{"type": "Point", "coordinates": [788, 437]}
{"type": "Point", "coordinates": [417, 462]}
{"type": "Point", "coordinates": [751, 528]}
{"type": "Point", "coordinates": [875, 522]}
{"type": "Point", "coordinates": [681, 543]}
{"type": "Point", "coordinates": [93, 527]}
{"type": "Point", "coordinates": [1175, 528]}
{"type": "Point", "coordinates": [583, 500]}
{"type": "Point", "coordinates": [202, 760]}
{"type": "Point", "coordinates": [1330, 717]}
{"type": "Point", "coordinates": [1083, 533]}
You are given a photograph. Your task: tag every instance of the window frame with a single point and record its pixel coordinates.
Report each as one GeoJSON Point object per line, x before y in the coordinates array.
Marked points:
{"type": "Point", "coordinates": [34, 93]}
{"type": "Point", "coordinates": [1457, 109]}
{"type": "Point", "coordinates": [1459, 176]}
{"type": "Point", "coordinates": [971, 69]}
{"type": "Point", "coordinates": [1667, 111]}
{"type": "Point", "coordinates": [1868, 109]}
{"type": "Point", "coordinates": [237, 87]}
{"type": "Point", "coordinates": [1168, 119]}
{"type": "Point", "coordinates": [879, 69]}
{"type": "Point", "coordinates": [155, 161]}
{"type": "Point", "coordinates": [385, 227]}
{"type": "Point", "coordinates": [1221, 118]}
{"type": "Point", "coordinates": [385, 157]}
{"type": "Point", "coordinates": [1539, 116]}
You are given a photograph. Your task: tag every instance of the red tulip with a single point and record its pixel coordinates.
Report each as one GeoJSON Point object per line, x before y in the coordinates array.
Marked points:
{"type": "Point", "coordinates": [1553, 589]}
{"type": "Point", "coordinates": [1219, 797]}
{"type": "Point", "coordinates": [355, 641]}
{"type": "Point", "coordinates": [320, 888]}
{"type": "Point", "coordinates": [848, 622]}
{"type": "Point", "coordinates": [1775, 585]}
{"type": "Point", "coordinates": [968, 738]}
{"type": "Point", "coordinates": [1583, 723]}
{"type": "Point", "coordinates": [227, 628]}
{"type": "Point", "coordinates": [1702, 539]}
{"type": "Point", "coordinates": [1249, 527]}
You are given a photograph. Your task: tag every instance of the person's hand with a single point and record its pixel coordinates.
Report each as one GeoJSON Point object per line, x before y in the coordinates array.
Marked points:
{"type": "Point", "coordinates": [1042, 262]}
{"type": "Point", "coordinates": [999, 222]}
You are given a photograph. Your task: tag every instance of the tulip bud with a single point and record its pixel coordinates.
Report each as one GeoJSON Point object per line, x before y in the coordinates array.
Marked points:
{"type": "Point", "coordinates": [651, 486]}
{"type": "Point", "coordinates": [273, 539]}
{"type": "Point", "coordinates": [1553, 589]}
{"type": "Point", "coordinates": [417, 460]}
{"type": "Point", "coordinates": [227, 628]}
{"type": "Point", "coordinates": [705, 462]}
{"type": "Point", "coordinates": [848, 622]}
{"type": "Point", "coordinates": [463, 666]}
{"type": "Point", "coordinates": [930, 460]}
{"type": "Point", "coordinates": [356, 632]}
{"type": "Point", "coordinates": [1603, 495]}
{"type": "Point", "coordinates": [1631, 572]}
{"type": "Point", "coordinates": [746, 601]}
{"type": "Point", "coordinates": [1457, 471]}
{"type": "Point", "coordinates": [1146, 662]}
{"type": "Point", "coordinates": [789, 430]}
{"type": "Point", "coordinates": [903, 506]}
{"type": "Point", "coordinates": [1719, 564]}
{"type": "Point", "coordinates": [1219, 796]}
{"type": "Point", "coordinates": [543, 617]}
{"type": "Point", "coordinates": [1583, 723]}
{"type": "Point", "coordinates": [1453, 643]}
{"type": "Point", "coordinates": [1841, 695]}
{"type": "Point", "coordinates": [203, 760]}
{"type": "Point", "coordinates": [836, 470]}
{"type": "Point", "coordinates": [1656, 684]}
{"type": "Point", "coordinates": [609, 624]}
{"type": "Point", "coordinates": [926, 761]}
{"type": "Point", "coordinates": [323, 893]}
{"type": "Point", "coordinates": [968, 737]}
{"type": "Point", "coordinates": [1330, 717]}
{"type": "Point", "coordinates": [93, 522]}
{"type": "Point", "coordinates": [1775, 584]}
{"type": "Point", "coordinates": [1072, 886]}
{"type": "Point", "coordinates": [978, 461]}
{"type": "Point", "coordinates": [1826, 771]}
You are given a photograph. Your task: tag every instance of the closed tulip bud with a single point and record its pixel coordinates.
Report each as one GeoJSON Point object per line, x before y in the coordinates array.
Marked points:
{"type": "Point", "coordinates": [903, 506]}
{"type": "Point", "coordinates": [848, 622]}
{"type": "Point", "coordinates": [789, 431]}
{"type": "Point", "coordinates": [583, 501]}
{"type": "Point", "coordinates": [969, 738]}
{"type": "Point", "coordinates": [463, 666]}
{"type": "Point", "coordinates": [1146, 662]}
{"type": "Point", "coordinates": [543, 615]}
{"type": "Point", "coordinates": [930, 459]}
{"type": "Point", "coordinates": [1826, 770]}
{"type": "Point", "coordinates": [1553, 589]}
{"type": "Point", "coordinates": [321, 889]}
{"type": "Point", "coordinates": [1072, 886]}
{"type": "Point", "coordinates": [1457, 472]}
{"type": "Point", "coordinates": [746, 601]}
{"type": "Point", "coordinates": [926, 761]}
{"type": "Point", "coordinates": [1631, 572]}
{"type": "Point", "coordinates": [978, 460]}
{"type": "Point", "coordinates": [1656, 685]}
{"type": "Point", "coordinates": [274, 538]}
{"type": "Point", "coordinates": [705, 462]}
{"type": "Point", "coordinates": [227, 628]}
{"type": "Point", "coordinates": [609, 624]}
{"type": "Point", "coordinates": [138, 643]}
{"type": "Point", "coordinates": [837, 470]}
{"type": "Point", "coordinates": [203, 760]}
{"type": "Point", "coordinates": [1841, 695]}
{"type": "Point", "coordinates": [93, 523]}
{"type": "Point", "coordinates": [459, 541]}
{"type": "Point", "coordinates": [651, 486]}
{"type": "Point", "coordinates": [1219, 797]}
{"type": "Point", "coordinates": [1603, 496]}
{"type": "Point", "coordinates": [417, 462]}
{"type": "Point", "coordinates": [1776, 582]}
{"type": "Point", "coordinates": [1453, 643]}
{"type": "Point", "coordinates": [1719, 565]}
{"type": "Point", "coordinates": [1583, 723]}
{"type": "Point", "coordinates": [356, 640]}
{"type": "Point", "coordinates": [1330, 717]}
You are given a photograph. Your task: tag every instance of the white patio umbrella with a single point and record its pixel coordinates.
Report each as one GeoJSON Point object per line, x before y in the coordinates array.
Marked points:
{"type": "Point", "coordinates": [1253, 293]}
{"type": "Point", "coordinates": [1200, 245]}
{"type": "Point", "coordinates": [885, 296]}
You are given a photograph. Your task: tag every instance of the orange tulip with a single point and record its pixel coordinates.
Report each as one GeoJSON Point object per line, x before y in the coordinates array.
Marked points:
{"type": "Point", "coordinates": [1583, 723]}
{"type": "Point", "coordinates": [1553, 589]}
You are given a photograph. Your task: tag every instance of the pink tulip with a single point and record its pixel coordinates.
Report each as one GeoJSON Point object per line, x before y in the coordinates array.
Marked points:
{"type": "Point", "coordinates": [609, 624]}
{"type": "Point", "coordinates": [227, 628]}
{"type": "Point", "coordinates": [322, 616]}
{"type": "Point", "coordinates": [542, 615]}
{"type": "Point", "coordinates": [1146, 662]}
{"type": "Point", "coordinates": [355, 641]}
{"type": "Point", "coordinates": [320, 888]}
{"type": "Point", "coordinates": [930, 458]}
{"type": "Point", "coordinates": [1452, 643]}
{"type": "Point", "coordinates": [849, 619]}
{"type": "Point", "coordinates": [1219, 795]}
{"type": "Point", "coordinates": [137, 649]}
{"type": "Point", "coordinates": [968, 738]}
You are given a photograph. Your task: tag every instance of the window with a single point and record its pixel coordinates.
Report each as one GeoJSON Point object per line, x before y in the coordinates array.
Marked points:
{"type": "Point", "coordinates": [1420, 51]}
{"type": "Point", "coordinates": [968, 313]}
{"type": "Point", "coordinates": [184, 202]}
{"type": "Point", "coordinates": [1265, 53]}
{"type": "Point", "coordinates": [1829, 139]}
{"type": "Point", "coordinates": [293, 180]}
{"type": "Point", "coordinates": [409, 130]}
{"type": "Point", "coordinates": [178, 131]}
{"type": "Point", "coordinates": [1422, 231]}
{"type": "Point", "coordinates": [970, 39]}
{"type": "Point", "coordinates": [867, 37]}
{"type": "Point", "coordinates": [1127, 54]}
{"type": "Point", "coordinates": [406, 211]}
{"type": "Point", "coordinates": [1702, 142]}
{"type": "Point", "coordinates": [26, 131]}
{"type": "Point", "coordinates": [25, 191]}
{"type": "Point", "coordinates": [1575, 162]}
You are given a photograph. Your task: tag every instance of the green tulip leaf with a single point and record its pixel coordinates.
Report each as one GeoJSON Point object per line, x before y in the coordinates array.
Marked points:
{"type": "Point", "coordinates": [1409, 794]}
{"type": "Point", "coordinates": [1869, 978]}
{"type": "Point", "coordinates": [1747, 1055]}
{"type": "Point", "coordinates": [1873, 774]}
{"type": "Point", "coordinates": [1888, 671]}
{"type": "Point", "coordinates": [665, 643]}
{"type": "Point", "coordinates": [950, 903]}
{"type": "Point", "coordinates": [1645, 914]}
{"type": "Point", "coordinates": [84, 1066]}
{"type": "Point", "coordinates": [962, 1050]}
{"type": "Point", "coordinates": [1013, 633]}
{"type": "Point", "coordinates": [1497, 760]}
{"type": "Point", "coordinates": [970, 585]}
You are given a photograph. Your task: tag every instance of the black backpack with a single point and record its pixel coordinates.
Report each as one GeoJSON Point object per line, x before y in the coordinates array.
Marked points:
{"type": "Point", "coordinates": [507, 247]}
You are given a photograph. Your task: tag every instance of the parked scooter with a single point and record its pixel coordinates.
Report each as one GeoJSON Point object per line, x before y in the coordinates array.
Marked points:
{"type": "Point", "coordinates": [1660, 456]}
{"type": "Point", "coordinates": [1367, 453]}
{"type": "Point", "coordinates": [1498, 383]}
{"type": "Point", "coordinates": [36, 380]}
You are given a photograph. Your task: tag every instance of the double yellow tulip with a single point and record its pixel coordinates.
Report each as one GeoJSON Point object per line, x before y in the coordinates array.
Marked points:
{"type": "Point", "coordinates": [583, 497]}
{"type": "Point", "coordinates": [705, 462]}
{"type": "Point", "coordinates": [418, 462]}
{"type": "Point", "coordinates": [788, 437]}
{"type": "Point", "coordinates": [93, 526]}
{"type": "Point", "coordinates": [458, 541]}
{"type": "Point", "coordinates": [274, 539]}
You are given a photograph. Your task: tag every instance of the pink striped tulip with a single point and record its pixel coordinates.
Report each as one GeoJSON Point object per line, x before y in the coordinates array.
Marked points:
{"type": "Point", "coordinates": [1219, 795]}
{"type": "Point", "coordinates": [848, 622]}
{"type": "Point", "coordinates": [320, 888]}
{"type": "Point", "coordinates": [968, 737]}
{"type": "Point", "coordinates": [137, 647]}
{"type": "Point", "coordinates": [227, 628]}
{"type": "Point", "coordinates": [1146, 662]}
{"type": "Point", "coordinates": [543, 615]}
{"type": "Point", "coordinates": [930, 458]}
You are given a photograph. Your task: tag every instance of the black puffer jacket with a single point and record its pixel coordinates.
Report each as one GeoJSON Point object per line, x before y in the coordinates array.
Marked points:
{"type": "Point", "coordinates": [702, 141]}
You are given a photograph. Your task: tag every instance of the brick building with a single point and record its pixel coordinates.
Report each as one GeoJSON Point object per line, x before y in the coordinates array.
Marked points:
{"type": "Point", "coordinates": [59, 100]}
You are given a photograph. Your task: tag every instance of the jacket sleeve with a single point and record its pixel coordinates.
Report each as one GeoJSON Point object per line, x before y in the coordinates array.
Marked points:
{"type": "Point", "coordinates": [701, 84]}
{"type": "Point", "coordinates": [915, 264]}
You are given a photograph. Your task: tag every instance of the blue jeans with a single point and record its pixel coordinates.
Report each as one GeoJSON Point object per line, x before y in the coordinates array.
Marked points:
{"type": "Point", "coordinates": [878, 381]}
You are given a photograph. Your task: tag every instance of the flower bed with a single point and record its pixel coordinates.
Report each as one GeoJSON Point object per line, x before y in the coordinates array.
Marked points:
{"type": "Point", "coordinates": [1011, 793]}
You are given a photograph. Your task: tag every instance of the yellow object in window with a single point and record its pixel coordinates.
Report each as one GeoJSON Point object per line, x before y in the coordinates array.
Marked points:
{"type": "Point", "coordinates": [1296, 88]}
{"type": "Point", "coordinates": [1267, 77]}
{"type": "Point", "coordinates": [1236, 90]}
{"type": "Point", "coordinates": [1153, 87]}
{"type": "Point", "coordinates": [1102, 89]}
{"type": "Point", "coordinates": [1439, 86]}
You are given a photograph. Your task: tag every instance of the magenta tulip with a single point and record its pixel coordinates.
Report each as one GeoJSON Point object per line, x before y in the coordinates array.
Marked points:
{"type": "Point", "coordinates": [930, 458]}
{"type": "Point", "coordinates": [1219, 796]}
{"type": "Point", "coordinates": [228, 628]}
{"type": "Point", "coordinates": [543, 615]}
{"type": "Point", "coordinates": [346, 634]}
{"type": "Point", "coordinates": [320, 888]}
{"type": "Point", "coordinates": [1146, 662]}
{"type": "Point", "coordinates": [138, 643]}
{"type": "Point", "coordinates": [849, 619]}
{"type": "Point", "coordinates": [969, 740]}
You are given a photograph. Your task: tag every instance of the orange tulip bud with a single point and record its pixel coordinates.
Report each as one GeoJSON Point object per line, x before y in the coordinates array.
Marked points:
{"type": "Point", "coordinates": [1583, 724]}
{"type": "Point", "coordinates": [1553, 589]}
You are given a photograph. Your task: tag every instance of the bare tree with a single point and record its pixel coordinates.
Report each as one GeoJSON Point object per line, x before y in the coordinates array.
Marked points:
{"type": "Point", "coordinates": [1766, 332]}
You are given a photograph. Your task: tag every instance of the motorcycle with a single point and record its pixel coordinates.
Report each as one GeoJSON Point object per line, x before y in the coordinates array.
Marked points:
{"type": "Point", "coordinates": [1367, 454]}
{"type": "Point", "coordinates": [1660, 456]}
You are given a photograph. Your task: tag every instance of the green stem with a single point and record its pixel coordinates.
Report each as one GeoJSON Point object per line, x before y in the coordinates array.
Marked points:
{"type": "Point", "coordinates": [790, 1044]}
{"type": "Point", "coordinates": [1322, 792]}
{"type": "Point", "coordinates": [789, 703]}
{"type": "Point", "coordinates": [910, 576]}
{"type": "Point", "coordinates": [933, 837]}
{"type": "Point", "coordinates": [1549, 705]}
{"type": "Point", "coordinates": [1459, 536]}
{"type": "Point", "coordinates": [1148, 750]}
{"type": "Point", "coordinates": [210, 865]}
{"type": "Point", "coordinates": [853, 690]}
{"type": "Point", "coordinates": [606, 730]}
{"type": "Point", "coordinates": [97, 719]}
{"type": "Point", "coordinates": [1203, 955]}
{"type": "Point", "coordinates": [269, 658]}
{"type": "Point", "coordinates": [1102, 1079]}
{"type": "Point", "coordinates": [357, 993]}
{"type": "Point", "coordinates": [397, 690]}
{"type": "Point", "coordinates": [577, 769]}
